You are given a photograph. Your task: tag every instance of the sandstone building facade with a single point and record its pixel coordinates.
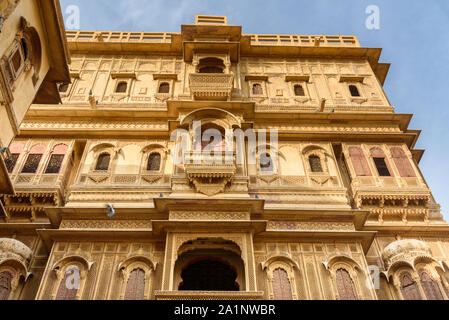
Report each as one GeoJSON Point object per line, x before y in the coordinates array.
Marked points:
{"type": "Point", "coordinates": [33, 59]}
{"type": "Point", "coordinates": [101, 193]}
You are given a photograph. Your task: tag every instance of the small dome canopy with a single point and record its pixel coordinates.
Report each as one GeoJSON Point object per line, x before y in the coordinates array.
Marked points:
{"type": "Point", "coordinates": [405, 250]}
{"type": "Point", "coordinates": [14, 249]}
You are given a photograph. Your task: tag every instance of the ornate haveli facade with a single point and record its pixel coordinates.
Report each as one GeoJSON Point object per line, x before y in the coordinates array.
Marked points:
{"type": "Point", "coordinates": [336, 209]}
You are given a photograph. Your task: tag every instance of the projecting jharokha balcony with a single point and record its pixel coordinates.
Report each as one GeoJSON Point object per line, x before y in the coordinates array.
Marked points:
{"type": "Point", "coordinates": [209, 173]}
{"type": "Point", "coordinates": [211, 86]}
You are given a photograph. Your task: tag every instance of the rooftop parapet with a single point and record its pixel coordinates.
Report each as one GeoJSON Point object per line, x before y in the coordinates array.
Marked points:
{"type": "Point", "coordinates": [255, 39]}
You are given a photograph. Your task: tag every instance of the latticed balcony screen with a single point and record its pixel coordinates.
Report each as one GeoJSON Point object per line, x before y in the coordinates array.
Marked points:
{"type": "Point", "coordinates": [32, 163]}
{"type": "Point", "coordinates": [345, 285]}
{"type": "Point", "coordinates": [103, 162]}
{"type": "Point", "coordinates": [430, 287]}
{"type": "Point", "coordinates": [11, 162]}
{"type": "Point", "coordinates": [135, 288]}
{"type": "Point", "coordinates": [409, 288]}
{"type": "Point", "coordinates": [55, 163]}
{"type": "Point", "coordinates": [67, 289]}
{"type": "Point", "coordinates": [299, 91]}
{"type": "Point", "coordinates": [315, 164]}
{"type": "Point", "coordinates": [5, 285]}
{"type": "Point", "coordinates": [282, 288]}
{"type": "Point", "coordinates": [154, 162]}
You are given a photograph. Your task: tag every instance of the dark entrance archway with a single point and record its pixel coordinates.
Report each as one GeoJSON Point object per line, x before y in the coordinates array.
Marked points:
{"type": "Point", "coordinates": [209, 275]}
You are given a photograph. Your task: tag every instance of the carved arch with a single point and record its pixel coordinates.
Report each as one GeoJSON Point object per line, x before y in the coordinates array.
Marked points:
{"type": "Point", "coordinates": [353, 269]}
{"type": "Point", "coordinates": [62, 268]}
{"type": "Point", "coordinates": [131, 264]}
{"type": "Point", "coordinates": [230, 120]}
{"type": "Point", "coordinates": [288, 265]}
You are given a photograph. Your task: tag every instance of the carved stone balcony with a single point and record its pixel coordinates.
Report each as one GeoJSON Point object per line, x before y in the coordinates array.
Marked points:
{"type": "Point", "coordinates": [210, 173]}
{"type": "Point", "coordinates": [211, 86]}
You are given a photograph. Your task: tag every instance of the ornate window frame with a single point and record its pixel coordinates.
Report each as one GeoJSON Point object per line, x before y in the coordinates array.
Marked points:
{"type": "Point", "coordinates": [51, 153]}
{"type": "Point", "coordinates": [100, 149]}
{"type": "Point", "coordinates": [132, 263]}
{"type": "Point", "coordinates": [129, 78]}
{"type": "Point", "coordinates": [303, 82]}
{"type": "Point", "coordinates": [313, 150]}
{"type": "Point", "coordinates": [60, 269]}
{"type": "Point", "coordinates": [349, 265]}
{"type": "Point", "coordinates": [169, 78]}
{"type": "Point", "coordinates": [16, 282]}
{"type": "Point", "coordinates": [148, 175]}
{"type": "Point", "coordinates": [285, 263]}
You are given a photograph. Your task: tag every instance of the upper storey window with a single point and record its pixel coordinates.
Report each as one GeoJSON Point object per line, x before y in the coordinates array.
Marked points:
{"type": "Point", "coordinates": [315, 164]}
{"type": "Point", "coordinates": [103, 162]}
{"type": "Point", "coordinates": [257, 89]}
{"type": "Point", "coordinates": [16, 149]}
{"type": "Point", "coordinates": [5, 285]}
{"type": "Point", "coordinates": [409, 287]}
{"type": "Point", "coordinates": [154, 162]}
{"type": "Point", "coordinates": [122, 87]}
{"type": "Point", "coordinates": [266, 163]}
{"type": "Point", "coordinates": [380, 162]}
{"type": "Point", "coordinates": [345, 285]}
{"type": "Point", "coordinates": [56, 159]}
{"type": "Point", "coordinates": [34, 158]}
{"type": "Point", "coordinates": [299, 91]}
{"type": "Point", "coordinates": [381, 166]}
{"type": "Point", "coordinates": [164, 87]}
{"type": "Point", "coordinates": [402, 162]}
{"type": "Point", "coordinates": [211, 65]}
{"type": "Point", "coordinates": [359, 162]}
{"type": "Point", "coordinates": [354, 90]}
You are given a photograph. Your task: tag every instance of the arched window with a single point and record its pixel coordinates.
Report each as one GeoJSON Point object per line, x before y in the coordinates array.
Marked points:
{"type": "Point", "coordinates": [69, 285]}
{"type": "Point", "coordinates": [212, 137]}
{"type": "Point", "coordinates": [409, 288]}
{"type": "Point", "coordinates": [359, 162]}
{"type": "Point", "coordinates": [402, 162]}
{"type": "Point", "coordinates": [56, 159]}
{"type": "Point", "coordinates": [33, 160]}
{"type": "Point", "coordinates": [63, 87]}
{"type": "Point", "coordinates": [257, 89]}
{"type": "Point", "coordinates": [135, 288]}
{"type": "Point", "coordinates": [265, 162]}
{"type": "Point", "coordinates": [103, 162]}
{"type": "Point", "coordinates": [299, 91]}
{"type": "Point", "coordinates": [209, 275]}
{"type": "Point", "coordinates": [315, 164]}
{"type": "Point", "coordinates": [430, 287]}
{"type": "Point", "coordinates": [15, 149]}
{"type": "Point", "coordinates": [282, 289]}
{"type": "Point", "coordinates": [122, 86]}
{"type": "Point", "coordinates": [354, 91]}
{"type": "Point", "coordinates": [380, 162]}
{"type": "Point", "coordinates": [345, 285]}
{"type": "Point", "coordinates": [5, 285]}
{"type": "Point", "coordinates": [164, 87]}
{"type": "Point", "coordinates": [154, 162]}
{"type": "Point", "coordinates": [211, 65]}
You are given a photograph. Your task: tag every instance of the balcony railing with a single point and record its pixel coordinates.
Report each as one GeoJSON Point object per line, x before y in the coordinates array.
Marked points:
{"type": "Point", "coordinates": [210, 173]}
{"type": "Point", "coordinates": [211, 86]}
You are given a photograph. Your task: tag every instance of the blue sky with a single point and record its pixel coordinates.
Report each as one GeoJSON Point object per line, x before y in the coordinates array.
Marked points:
{"type": "Point", "coordinates": [413, 33]}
